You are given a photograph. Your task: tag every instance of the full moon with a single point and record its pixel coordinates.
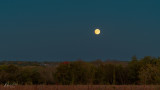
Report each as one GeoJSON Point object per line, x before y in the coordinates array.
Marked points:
{"type": "Point", "coordinates": [97, 31]}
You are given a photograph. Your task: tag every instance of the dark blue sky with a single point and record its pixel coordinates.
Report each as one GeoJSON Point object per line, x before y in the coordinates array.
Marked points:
{"type": "Point", "coordinates": [63, 29]}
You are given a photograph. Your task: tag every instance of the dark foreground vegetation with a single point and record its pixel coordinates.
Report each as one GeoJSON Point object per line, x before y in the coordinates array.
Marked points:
{"type": "Point", "coordinates": [145, 71]}
{"type": "Point", "coordinates": [81, 87]}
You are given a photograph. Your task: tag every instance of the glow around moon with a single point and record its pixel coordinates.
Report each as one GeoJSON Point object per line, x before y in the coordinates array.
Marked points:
{"type": "Point", "coordinates": [97, 31]}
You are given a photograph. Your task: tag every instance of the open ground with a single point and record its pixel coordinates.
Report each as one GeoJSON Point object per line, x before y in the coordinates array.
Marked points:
{"type": "Point", "coordinates": [81, 87]}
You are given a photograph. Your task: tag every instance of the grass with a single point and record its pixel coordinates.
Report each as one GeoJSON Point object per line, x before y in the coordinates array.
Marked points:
{"type": "Point", "coordinates": [81, 87]}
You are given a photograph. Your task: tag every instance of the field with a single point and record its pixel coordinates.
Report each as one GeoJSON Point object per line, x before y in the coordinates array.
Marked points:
{"type": "Point", "coordinates": [81, 87]}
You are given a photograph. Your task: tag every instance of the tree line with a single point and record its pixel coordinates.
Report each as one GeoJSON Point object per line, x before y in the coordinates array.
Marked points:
{"type": "Point", "coordinates": [136, 72]}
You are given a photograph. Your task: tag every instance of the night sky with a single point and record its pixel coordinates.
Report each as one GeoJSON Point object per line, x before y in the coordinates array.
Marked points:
{"type": "Point", "coordinates": [63, 30]}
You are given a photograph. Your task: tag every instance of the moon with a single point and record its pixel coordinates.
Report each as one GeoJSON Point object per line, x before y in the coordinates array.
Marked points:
{"type": "Point", "coordinates": [97, 31]}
